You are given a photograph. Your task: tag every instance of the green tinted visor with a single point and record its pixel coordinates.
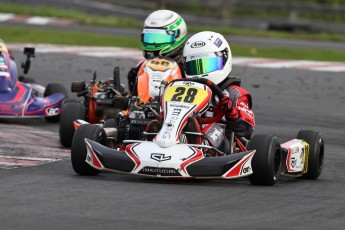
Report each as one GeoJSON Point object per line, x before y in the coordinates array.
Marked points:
{"type": "Point", "coordinates": [158, 36]}
{"type": "Point", "coordinates": [203, 64]}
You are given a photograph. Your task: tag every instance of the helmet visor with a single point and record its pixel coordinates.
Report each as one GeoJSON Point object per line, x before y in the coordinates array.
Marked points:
{"type": "Point", "coordinates": [157, 36]}
{"type": "Point", "coordinates": [203, 64]}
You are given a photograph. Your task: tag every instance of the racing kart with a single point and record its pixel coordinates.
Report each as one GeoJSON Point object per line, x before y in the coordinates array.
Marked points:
{"type": "Point", "coordinates": [103, 100]}
{"type": "Point", "coordinates": [185, 145]}
{"type": "Point", "coordinates": [23, 97]}
{"type": "Point", "coordinates": [97, 95]}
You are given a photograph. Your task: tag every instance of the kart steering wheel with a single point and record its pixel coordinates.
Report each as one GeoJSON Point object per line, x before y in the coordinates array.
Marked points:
{"type": "Point", "coordinates": [219, 113]}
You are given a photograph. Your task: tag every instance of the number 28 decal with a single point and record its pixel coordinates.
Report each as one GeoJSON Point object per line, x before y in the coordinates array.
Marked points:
{"type": "Point", "coordinates": [189, 97]}
{"type": "Point", "coordinates": [185, 94]}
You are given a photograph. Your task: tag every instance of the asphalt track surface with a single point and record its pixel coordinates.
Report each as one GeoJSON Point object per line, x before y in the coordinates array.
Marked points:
{"type": "Point", "coordinates": [52, 196]}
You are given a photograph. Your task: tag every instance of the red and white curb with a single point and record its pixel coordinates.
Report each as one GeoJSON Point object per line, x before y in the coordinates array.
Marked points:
{"type": "Point", "coordinates": [136, 54]}
{"type": "Point", "coordinates": [23, 146]}
{"type": "Point", "coordinates": [36, 20]}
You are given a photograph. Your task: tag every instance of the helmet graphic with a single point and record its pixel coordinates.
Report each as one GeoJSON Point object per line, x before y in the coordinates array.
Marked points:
{"type": "Point", "coordinates": [164, 34]}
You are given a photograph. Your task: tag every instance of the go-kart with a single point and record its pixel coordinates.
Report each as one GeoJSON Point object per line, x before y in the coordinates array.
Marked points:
{"type": "Point", "coordinates": [95, 106]}
{"type": "Point", "coordinates": [185, 145]}
{"type": "Point", "coordinates": [23, 97]}
{"type": "Point", "coordinates": [103, 100]}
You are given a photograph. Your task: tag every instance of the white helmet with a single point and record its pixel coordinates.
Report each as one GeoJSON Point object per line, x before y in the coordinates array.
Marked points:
{"type": "Point", "coordinates": [207, 55]}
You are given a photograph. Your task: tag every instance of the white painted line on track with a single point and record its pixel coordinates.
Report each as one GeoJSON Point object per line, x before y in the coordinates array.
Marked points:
{"type": "Point", "coordinates": [28, 158]}
{"type": "Point", "coordinates": [136, 54]}
{"type": "Point", "coordinates": [5, 17]}
{"type": "Point", "coordinates": [35, 20]}
{"type": "Point", "coordinates": [39, 20]}
{"type": "Point", "coordinates": [22, 146]}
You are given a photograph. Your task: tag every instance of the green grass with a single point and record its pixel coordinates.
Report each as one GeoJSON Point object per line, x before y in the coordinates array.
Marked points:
{"type": "Point", "coordinates": [269, 34]}
{"type": "Point", "coordinates": [76, 15]}
{"type": "Point", "coordinates": [29, 35]}
{"type": "Point", "coordinates": [112, 21]}
{"type": "Point", "coordinates": [288, 53]}
{"type": "Point", "coordinates": [25, 35]}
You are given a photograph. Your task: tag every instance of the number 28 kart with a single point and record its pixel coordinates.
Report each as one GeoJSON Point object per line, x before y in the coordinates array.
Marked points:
{"type": "Point", "coordinates": [185, 145]}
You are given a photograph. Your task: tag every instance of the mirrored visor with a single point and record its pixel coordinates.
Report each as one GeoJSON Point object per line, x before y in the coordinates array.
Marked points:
{"type": "Point", "coordinates": [157, 36]}
{"type": "Point", "coordinates": [203, 64]}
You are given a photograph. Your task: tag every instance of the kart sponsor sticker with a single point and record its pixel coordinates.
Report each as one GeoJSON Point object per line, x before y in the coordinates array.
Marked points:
{"type": "Point", "coordinates": [247, 169]}
{"type": "Point", "coordinates": [215, 135]}
{"type": "Point", "coordinates": [160, 157]}
{"type": "Point", "coordinates": [53, 111]}
{"type": "Point", "coordinates": [159, 171]}
{"type": "Point", "coordinates": [293, 162]}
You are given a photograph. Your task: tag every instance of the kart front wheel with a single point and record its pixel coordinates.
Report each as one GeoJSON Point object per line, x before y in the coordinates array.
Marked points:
{"type": "Point", "coordinates": [79, 151]}
{"type": "Point", "coordinates": [267, 160]}
{"type": "Point", "coordinates": [71, 111]}
{"type": "Point", "coordinates": [51, 89]}
{"type": "Point", "coordinates": [316, 153]}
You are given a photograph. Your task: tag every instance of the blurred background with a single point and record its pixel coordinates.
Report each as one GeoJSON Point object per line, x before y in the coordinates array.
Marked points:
{"type": "Point", "coordinates": [299, 29]}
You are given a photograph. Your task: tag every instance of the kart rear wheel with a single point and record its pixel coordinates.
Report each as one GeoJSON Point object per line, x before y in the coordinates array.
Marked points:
{"type": "Point", "coordinates": [110, 123]}
{"type": "Point", "coordinates": [267, 160]}
{"type": "Point", "coordinates": [316, 153]}
{"type": "Point", "coordinates": [51, 89]}
{"type": "Point", "coordinates": [79, 151]}
{"type": "Point", "coordinates": [71, 111]}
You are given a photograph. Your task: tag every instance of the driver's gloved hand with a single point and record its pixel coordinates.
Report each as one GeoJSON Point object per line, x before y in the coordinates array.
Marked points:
{"type": "Point", "coordinates": [225, 105]}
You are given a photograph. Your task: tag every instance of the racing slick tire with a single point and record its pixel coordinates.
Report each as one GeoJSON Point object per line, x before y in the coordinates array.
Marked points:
{"type": "Point", "coordinates": [71, 111]}
{"type": "Point", "coordinates": [51, 89]}
{"type": "Point", "coordinates": [79, 151]}
{"type": "Point", "coordinates": [267, 160]}
{"type": "Point", "coordinates": [110, 123]}
{"type": "Point", "coordinates": [316, 153]}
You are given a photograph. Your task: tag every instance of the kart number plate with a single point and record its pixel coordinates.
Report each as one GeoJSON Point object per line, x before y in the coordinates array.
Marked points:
{"type": "Point", "coordinates": [187, 94]}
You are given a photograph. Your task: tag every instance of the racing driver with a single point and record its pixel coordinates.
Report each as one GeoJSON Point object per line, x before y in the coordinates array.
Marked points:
{"type": "Point", "coordinates": [8, 68]}
{"type": "Point", "coordinates": [164, 34]}
{"type": "Point", "coordinates": [208, 55]}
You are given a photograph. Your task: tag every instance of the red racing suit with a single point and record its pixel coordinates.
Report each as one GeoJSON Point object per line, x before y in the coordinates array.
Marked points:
{"type": "Point", "coordinates": [240, 119]}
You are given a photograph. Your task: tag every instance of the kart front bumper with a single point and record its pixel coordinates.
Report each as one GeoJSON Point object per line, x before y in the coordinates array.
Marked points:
{"type": "Point", "coordinates": [182, 161]}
